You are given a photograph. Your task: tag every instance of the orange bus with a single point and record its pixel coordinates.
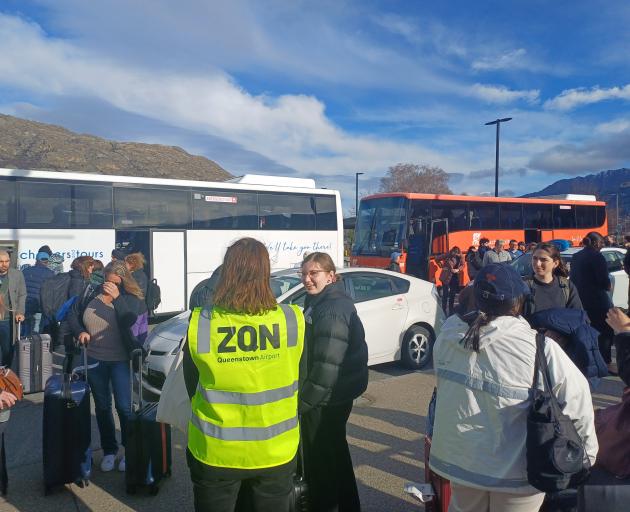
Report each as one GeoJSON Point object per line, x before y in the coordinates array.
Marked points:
{"type": "Point", "coordinates": [422, 226]}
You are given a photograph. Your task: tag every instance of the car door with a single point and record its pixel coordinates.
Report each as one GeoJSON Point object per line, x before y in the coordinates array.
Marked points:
{"type": "Point", "coordinates": [618, 278]}
{"type": "Point", "coordinates": [383, 310]}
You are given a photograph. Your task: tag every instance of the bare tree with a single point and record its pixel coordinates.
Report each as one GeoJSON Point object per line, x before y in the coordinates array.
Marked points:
{"type": "Point", "coordinates": [415, 178]}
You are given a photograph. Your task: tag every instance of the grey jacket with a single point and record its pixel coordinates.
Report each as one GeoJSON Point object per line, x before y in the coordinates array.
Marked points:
{"type": "Point", "coordinates": [17, 291]}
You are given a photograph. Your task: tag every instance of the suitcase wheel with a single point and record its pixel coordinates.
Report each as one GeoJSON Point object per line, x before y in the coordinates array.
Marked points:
{"type": "Point", "coordinates": [154, 489]}
{"type": "Point", "coordinates": [131, 489]}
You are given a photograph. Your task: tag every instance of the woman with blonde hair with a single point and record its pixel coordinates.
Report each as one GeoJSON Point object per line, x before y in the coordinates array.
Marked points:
{"type": "Point", "coordinates": [135, 263]}
{"type": "Point", "coordinates": [101, 320]}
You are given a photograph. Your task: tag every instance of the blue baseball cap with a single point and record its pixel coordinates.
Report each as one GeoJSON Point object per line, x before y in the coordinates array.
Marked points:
{"type": "Point", "coordinates": [498, 283]}
{"type": "Point", "coordinates": [395, 255]}
{"type": "Point", "coordinates": [41, 256]}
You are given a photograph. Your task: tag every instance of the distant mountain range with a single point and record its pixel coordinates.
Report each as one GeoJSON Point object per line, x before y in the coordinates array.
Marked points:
{"type": "Point", "coordinates": [32, 145]}
{"type": "Point", "coordinates": [605, 186]}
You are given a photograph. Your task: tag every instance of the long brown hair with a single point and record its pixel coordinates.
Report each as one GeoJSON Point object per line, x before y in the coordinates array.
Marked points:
{"type": "Point", "coordinates": [135, 261]}
{"type": "Point", "coordinates": [120, 269]}
{"type": "Point", "coordinates": [491, 312]}
{"type": "Point", "coordinates": [554, 254]}
{"type": "Point", "coordinates": [82, 263]}
{"type": "Point", "coordinates": [2, 308]}
{"type": "Point", "coordinates": [243, 286]}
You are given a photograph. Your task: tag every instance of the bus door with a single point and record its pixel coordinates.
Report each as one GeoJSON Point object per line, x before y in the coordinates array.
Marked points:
{"type": "Point", "coordinates": [168, 265]}
{"type": "Point", "coordinates": [418, 245]}
{"type": "Point", "coordinates": [439, 244]}
{"type": "Point", "coordinates": [532, 235]}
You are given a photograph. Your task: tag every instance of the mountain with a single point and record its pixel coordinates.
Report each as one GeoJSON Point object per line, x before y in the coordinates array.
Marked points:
{"type": "Point", "coordinates": [609, 186]}
{"type": "Point", "coordinates": [32, 145]}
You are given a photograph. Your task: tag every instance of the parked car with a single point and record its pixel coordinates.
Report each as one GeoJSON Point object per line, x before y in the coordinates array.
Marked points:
{"type": "Point", "coordinates": [401, 314]}
{"type": "Point", "coordinates": [614, 259]}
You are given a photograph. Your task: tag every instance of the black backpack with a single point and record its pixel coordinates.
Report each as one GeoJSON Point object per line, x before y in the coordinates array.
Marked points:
{"type": "Point", "coordinates": [154, 295]}
{"type": "Point", "coordinates": [53, 293]}
{"type": "Point", "coordinates": [554, 449]}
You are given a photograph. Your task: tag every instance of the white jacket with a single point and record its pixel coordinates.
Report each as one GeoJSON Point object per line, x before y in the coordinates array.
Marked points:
{"type": "Point", "coordinates": [483, 399]}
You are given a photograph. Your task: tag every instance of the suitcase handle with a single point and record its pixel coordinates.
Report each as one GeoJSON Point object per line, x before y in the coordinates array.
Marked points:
{"type": "Point", "coordinates": [136, 353]}
{"type": "Point", "coordinates": [85, 364]}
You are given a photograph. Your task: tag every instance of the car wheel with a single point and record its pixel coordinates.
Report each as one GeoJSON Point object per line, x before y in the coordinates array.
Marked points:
{"type": "Point", "coordinates": [417, 347]}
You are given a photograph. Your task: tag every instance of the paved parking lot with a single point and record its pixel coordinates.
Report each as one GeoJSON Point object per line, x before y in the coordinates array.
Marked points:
{"type": "Point", "coordinates": [385, 432]}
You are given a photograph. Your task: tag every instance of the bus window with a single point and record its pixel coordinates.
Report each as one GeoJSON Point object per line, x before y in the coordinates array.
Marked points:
{"type": "Point", "coordinates": [537, 216]}
{"type": "Point", "coordinates": [214, 209]}
{"type": "Point", "coordinates": [146, 207]}
{"type": "Point", "coordinates": [563, 216]}
{"type": "Point", "coordinates": [7, 204]}
{"type": "Point", "coordinates": [453, 211]}
{"type": "Point", "coordinates": [326, 207]}
{"type": "Point", "coordinates": [44, 205]}
{"type": "Point", "coordinates": [381, 226]}
{"type": "Point", "coordinates": [511, 216]}
{"type": "Point", "coordinates": [484, 215]}
{"type": "Point", "coordinates": [601, 215]}
{"type": "Point", "coordinates": [92, 206]}
{"type": "Point", "coordinates": [587, 217]}
{"type": "Point", "coordinates": [286, 211]}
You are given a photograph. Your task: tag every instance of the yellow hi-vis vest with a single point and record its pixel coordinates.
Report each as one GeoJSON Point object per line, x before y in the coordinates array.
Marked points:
{"type": "Point", "coordinates": [244, 413]}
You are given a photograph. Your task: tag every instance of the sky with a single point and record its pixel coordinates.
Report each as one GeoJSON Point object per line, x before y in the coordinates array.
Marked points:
{"type": "Point", "coordinates": [327, 88]}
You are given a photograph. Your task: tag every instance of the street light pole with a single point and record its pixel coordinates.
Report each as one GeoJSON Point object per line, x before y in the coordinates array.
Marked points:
{"type": "Point", "coordinates": [496, 160]}
{"type": "Point", "coordinates": [356, 196]}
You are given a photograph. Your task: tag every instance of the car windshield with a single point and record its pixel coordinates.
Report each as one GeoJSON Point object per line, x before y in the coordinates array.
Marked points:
{"type": "Point", "coordinates": [283, 283]}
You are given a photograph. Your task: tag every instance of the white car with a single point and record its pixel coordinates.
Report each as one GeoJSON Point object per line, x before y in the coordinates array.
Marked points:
{"type": "Point", "coordinates": [401, 314]}
{"type": "Point", "coordinates": [614, 259]}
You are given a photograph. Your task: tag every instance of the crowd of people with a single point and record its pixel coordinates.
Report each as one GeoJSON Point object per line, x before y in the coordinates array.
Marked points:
{"type": "Point", "coordinates": [272, 386]}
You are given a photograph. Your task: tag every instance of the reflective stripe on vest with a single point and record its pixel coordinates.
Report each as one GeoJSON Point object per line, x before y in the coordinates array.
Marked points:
{"type": "Point", "coordinates": [244, 412]}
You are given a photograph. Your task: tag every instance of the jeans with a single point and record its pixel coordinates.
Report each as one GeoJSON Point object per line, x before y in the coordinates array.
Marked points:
{"type": "Point", "coordinates": [449, 290]}
{"type": "Point", "coordinates": [6, 342]}
{"type": "Point", "coordinates": [105, 377]}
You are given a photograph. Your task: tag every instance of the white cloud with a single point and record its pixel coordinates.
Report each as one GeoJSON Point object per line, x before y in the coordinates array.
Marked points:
{"type": "Point", "coordinates": [501, 94]}
{"type": "Point", "coordinates": [573, 98]}
{"type": "Point", "coordinates": [616, 126]}
{"type": "Point", "coordinates": [510, 60]}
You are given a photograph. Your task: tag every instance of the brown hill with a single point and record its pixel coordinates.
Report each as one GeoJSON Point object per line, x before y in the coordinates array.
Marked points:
{"type": "Point", "coordinates": [31, 145]}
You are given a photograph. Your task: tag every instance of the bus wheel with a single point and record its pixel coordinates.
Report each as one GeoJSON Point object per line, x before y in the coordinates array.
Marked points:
{"type": "Point", "coordinates": [417, 347]}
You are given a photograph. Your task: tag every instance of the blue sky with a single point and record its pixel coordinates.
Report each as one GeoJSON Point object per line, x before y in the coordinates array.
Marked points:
{"type": "Point", "coordinates": [325, 89]}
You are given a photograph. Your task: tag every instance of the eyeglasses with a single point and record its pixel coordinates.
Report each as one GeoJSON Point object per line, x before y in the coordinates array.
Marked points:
{"type": "Point", "coordinates": [311, 273]}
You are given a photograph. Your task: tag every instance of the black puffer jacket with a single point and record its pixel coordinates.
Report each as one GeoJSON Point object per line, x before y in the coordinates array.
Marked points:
{"type": "Point", "coordinates": [336, 352]}
{"type": "Point", "coordinates": [622, 343]}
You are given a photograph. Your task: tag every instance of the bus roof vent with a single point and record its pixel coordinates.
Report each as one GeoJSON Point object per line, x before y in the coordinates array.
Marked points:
{"type": "Point", "coordinates": [278, 181]}
{"type": "Point", "coordinates": [568, 197]}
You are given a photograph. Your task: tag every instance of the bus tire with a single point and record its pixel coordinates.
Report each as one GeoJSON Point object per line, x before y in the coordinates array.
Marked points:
{"type": "Point", "coordinates": [417, 347]}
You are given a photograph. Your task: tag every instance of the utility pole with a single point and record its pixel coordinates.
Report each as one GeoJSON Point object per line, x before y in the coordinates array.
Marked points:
{"type": "Point", "coordinates": [356, 197]}
{"type": "Point", "coordinates": [496, 159]}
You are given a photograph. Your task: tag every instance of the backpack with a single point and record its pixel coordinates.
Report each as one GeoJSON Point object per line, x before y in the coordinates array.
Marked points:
{"type": "Point", "coordinates": [154, 295]}
{"type": "Point", "coordinates": [53, 293]}
{"type": "Point", "coordinates": [529, 281]}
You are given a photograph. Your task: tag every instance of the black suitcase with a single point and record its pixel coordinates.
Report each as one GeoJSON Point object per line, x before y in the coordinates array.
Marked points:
{"type": "Point", "coordinates": [148, 449]}
{"type": "Point", "coordinates": [34, 361]}
{"type": "Point", "coordinates": [67, 432]}
{"type": "Point", "coordinates": [604, 492]}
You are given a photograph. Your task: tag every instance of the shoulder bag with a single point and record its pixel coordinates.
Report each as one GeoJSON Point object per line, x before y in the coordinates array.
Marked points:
{"type": "Point", "coordinates": [10, 382]}
{"type": "Point", "coordinates": [555, 453]}
{"type": "Point", "coordinates": [613, 433]}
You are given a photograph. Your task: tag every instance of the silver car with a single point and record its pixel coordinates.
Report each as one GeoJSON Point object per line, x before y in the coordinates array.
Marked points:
{"type": "Point", "coordinates": [401, 314]}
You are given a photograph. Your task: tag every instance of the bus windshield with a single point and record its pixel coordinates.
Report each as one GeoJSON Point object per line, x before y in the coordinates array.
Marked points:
{"type": "Point", "coordinates": [380, 226]}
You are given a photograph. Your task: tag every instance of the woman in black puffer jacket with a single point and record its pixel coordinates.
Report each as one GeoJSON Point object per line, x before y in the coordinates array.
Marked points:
{"type": "Point", "coordinates": [334, 373]}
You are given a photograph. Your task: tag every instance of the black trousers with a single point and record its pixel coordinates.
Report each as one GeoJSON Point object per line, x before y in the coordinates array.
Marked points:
{"type": "Point", "coordinates": [606, 334]}
{"type": "Point", "coordinates": [449, 290]}
{"type": "Point", "coordinates": [328, 465]}
{"type": "Point", "coordinates": [217, 489]}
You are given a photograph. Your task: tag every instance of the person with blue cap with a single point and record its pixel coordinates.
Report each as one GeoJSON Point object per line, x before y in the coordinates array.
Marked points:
{"type": "Point", "coordinates": [34, 276]}
{"type": "Point", "coordinates": [484, 363]}
{"type": "Point", "coordinates": [394, 264]}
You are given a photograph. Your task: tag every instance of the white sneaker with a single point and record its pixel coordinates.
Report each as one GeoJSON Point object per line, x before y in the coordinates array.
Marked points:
{"type": "Point", "coordinates": [121, 465]}
{"type": "Point", "coordinates": [108, 462]}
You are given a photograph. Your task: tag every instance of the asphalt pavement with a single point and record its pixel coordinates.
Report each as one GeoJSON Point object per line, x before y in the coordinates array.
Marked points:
{"type": "Point", "coordinates": [385, 432]}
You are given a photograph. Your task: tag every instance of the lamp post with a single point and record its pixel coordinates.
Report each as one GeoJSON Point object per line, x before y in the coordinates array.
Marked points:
{"type": "Point", "coordinates": [496, 161]}
{"type": "Point", "coordinates": [356, 196]}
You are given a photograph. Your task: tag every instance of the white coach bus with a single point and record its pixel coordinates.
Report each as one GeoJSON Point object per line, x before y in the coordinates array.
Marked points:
{"type": "Point", "coordinates": [182, 227]}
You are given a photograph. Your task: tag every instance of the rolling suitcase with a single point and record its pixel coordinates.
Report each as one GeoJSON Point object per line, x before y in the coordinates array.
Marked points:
{"type": "Point", "coordinates": [604, 492]}
{"type": "Point", "coordinates": [441, 486]}
{"type": "Point", "coordinates": [34, 361]}
{"type": "Point", "coordinates": [67, 432]}
{"type": "Point", "coordinates": [148, 448]}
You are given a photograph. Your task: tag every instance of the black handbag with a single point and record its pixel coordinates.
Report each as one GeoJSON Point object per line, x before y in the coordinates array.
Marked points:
{"type": "Point", "coordinates": [555, 452]}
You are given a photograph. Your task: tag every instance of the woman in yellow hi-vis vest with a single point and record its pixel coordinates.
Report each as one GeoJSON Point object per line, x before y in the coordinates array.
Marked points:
{"type": "Point", "coordinates": [241, 368]}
